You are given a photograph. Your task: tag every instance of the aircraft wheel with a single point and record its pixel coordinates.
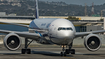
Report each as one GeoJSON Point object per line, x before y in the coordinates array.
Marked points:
{"type": "Point", "coordinates": [67, 51]}
{"type": "Point", "coordinates": [61, 53]}
{"type": "Point", "coordinates": [23, 51]}
{"type": "Point", "coordinates": [28, 51]}
{"type": "Point", "coordinates": [64, 53]}
{"type": "Point", "coordinates": [72, 51]}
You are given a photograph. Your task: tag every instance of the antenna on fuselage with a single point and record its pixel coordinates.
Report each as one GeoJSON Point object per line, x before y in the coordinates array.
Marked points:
{"type": "Point", "coordinates": [37, 10]}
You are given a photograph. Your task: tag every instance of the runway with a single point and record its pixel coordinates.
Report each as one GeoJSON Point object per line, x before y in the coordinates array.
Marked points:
{"type": "Point", "coordinates": [51, 52]}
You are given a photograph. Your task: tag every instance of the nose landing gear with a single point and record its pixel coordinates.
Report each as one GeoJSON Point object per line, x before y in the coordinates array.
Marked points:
{"type": "Point", "coordinates": [63, 53]}
{"type": "Point", "coordinates": [67, 51]}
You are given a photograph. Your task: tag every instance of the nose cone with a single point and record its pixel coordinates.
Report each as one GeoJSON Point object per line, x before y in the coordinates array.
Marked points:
{"type": "Point", "coordinates": [66, 34]}
{"type": "Point", "coordinates": [66, 37]}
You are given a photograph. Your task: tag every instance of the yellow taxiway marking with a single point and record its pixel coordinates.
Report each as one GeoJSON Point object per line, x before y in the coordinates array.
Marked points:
{"type": "Point", "coordinates": [70, 57]}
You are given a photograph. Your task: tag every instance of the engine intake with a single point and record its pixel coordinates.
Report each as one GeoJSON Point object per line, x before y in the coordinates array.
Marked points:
{"type": "Point", "coordinates": [12, 42]}
{"type": "Point", "coordinates": [92, 42]}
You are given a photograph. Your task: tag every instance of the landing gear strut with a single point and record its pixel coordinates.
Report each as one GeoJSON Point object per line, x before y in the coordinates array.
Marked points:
{"type": "Point", "coordinates": [63, 53]}
{"type": "Point", "coordinates": [26, 50]}
{"type": "Point", "coordinates": [67, 51]}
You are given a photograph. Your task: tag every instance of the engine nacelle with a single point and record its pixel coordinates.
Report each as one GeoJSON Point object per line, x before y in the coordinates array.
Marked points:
{"type": "Point", "coordinates": [92, 42]}
{"type": "Point", "coordinates": [12, 42]}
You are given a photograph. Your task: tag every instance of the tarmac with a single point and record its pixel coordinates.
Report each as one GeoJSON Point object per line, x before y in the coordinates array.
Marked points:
{"type": "Point", "coordinates": [51, 52]}
{"type": "Point", "coordinates": [40, 51]}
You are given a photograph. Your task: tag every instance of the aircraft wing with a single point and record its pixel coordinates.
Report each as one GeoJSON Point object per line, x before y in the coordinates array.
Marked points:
{"type": "Point", "coordinates": [15, 24]}
{"type": "Point", "coordinates": [37, 29]}
{"type": "Point", "coordinates": [23, 34]}
{"type": "Point", "coordinates": [80, 34]}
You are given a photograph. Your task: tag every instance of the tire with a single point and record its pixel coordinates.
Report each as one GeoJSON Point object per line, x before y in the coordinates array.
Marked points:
{"type": "Point", "coordinates": [72, 51]}
{"type": "Point", "coordinates": [28, 51]}
{"type": "Point", "coordinates": [67, 51]}
{"type": "Point", "coordinates": [64, 53]}
{"type": "Point", "coordinates": [61, 53]}
{"type": "Point", "coordinates": [23, 51]}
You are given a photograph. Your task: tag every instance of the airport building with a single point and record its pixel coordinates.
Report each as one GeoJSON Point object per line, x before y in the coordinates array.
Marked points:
{"type": "Point", "coordinates": [85, 23]}
{"type": "Point", "coordinates": [90, 25]}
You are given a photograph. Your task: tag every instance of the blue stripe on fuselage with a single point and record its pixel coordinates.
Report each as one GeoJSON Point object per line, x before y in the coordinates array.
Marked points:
{"type": "Point", "coordinates": [38, 33]}
{"type": "Point", "coordinates": [33, 25]}
{"type": "Point", "coordinates": [41, 23]}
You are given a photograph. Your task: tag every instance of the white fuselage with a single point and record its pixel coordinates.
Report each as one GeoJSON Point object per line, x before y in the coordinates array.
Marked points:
{"type": "Point", "coordinates": [60, 31]}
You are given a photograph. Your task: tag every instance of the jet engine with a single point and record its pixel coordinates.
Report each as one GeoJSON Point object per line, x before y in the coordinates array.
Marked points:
{"type": "Point", "coordinates": [92, 42]}
{"type": "Point", "coordinates": [12, 42]}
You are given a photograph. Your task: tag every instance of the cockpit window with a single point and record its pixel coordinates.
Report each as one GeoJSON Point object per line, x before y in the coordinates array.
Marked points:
{"type": "Point", "coordinates": [62, 28]}
{"type": "Point", "coordinates": [69, 29]}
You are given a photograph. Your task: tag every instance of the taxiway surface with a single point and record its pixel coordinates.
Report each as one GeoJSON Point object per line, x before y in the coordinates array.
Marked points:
{"type": "Point", "coordinates": [51, 52]}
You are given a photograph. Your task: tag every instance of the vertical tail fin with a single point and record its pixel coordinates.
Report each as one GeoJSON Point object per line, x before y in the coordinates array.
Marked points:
{"type": "Point", "coordinates": [37, 11]}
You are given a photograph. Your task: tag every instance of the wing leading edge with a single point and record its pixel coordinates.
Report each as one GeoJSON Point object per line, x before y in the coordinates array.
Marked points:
{"type": "Point", "coordinates": [80, 34]}
{"type": "Point", "coordinates": [15, 24]}
{"type": "Point", "coordinates": [23, 34]}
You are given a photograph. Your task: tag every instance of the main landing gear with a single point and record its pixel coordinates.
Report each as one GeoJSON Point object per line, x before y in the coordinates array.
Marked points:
{"type": "Point", "coordinates": [67, 51]}
{"type": "Point", "coordinates": [26, 50]}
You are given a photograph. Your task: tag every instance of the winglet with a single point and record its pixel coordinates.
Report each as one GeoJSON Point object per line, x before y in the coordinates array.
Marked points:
{"type": "Point", "coordinates": [37, 11]}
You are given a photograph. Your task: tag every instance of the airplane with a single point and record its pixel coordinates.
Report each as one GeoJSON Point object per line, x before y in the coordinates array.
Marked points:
{"type": "Point", "coordinates": [50, 31]}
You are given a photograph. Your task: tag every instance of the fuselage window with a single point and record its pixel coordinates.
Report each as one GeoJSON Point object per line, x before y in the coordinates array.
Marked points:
{"type": "Point", "coordinates": [62, 28]}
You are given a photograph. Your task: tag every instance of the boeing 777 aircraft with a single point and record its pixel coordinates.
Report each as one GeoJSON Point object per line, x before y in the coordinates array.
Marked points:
{"type": "Point", "coordinates": [58, 31]}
